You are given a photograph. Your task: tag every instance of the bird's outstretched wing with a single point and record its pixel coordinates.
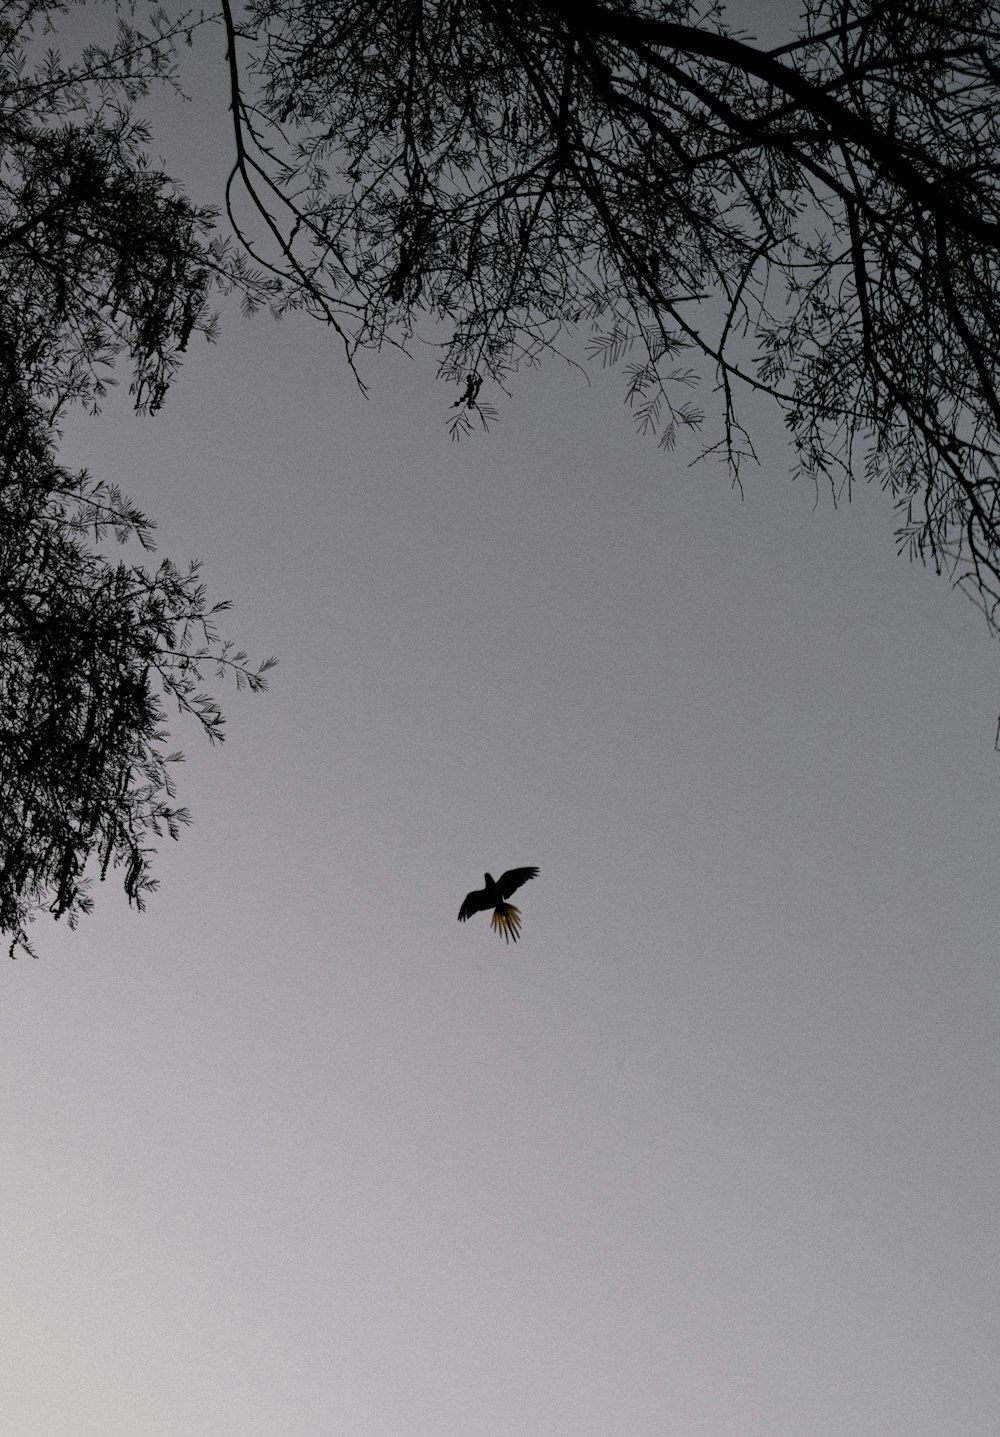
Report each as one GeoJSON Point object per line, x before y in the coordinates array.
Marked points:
{"type": "Point", "coordinates": [510, 881]}
{"type": "Point", "coordinates": [473, 902]}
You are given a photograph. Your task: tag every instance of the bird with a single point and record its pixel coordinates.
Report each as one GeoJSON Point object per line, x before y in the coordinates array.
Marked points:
{"type": "Point", "coordinates": [494, 894]}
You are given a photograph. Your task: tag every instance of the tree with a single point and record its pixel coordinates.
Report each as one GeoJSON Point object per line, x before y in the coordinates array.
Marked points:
{"type": "Point", "coordinates": [99, 256]}
{"type": "Point", "coordinates": [633, 181]}
{"type": "Point", "coordinates": [818, 223]}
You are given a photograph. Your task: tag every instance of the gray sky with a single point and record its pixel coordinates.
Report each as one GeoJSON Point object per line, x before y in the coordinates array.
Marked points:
{"type": "Point", "coordinates": [712, 1151]}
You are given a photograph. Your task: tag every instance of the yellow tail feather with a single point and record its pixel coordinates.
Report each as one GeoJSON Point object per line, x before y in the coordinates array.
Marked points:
{"type": "Point", "coordinates": [507, 920]}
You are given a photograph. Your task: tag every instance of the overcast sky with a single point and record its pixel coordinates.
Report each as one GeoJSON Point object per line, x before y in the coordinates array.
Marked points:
{"type": "Point", "coordinates": [711, 1152]}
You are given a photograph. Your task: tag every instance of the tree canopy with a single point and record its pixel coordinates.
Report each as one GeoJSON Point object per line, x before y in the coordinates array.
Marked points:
{"type": "Point", "coordinates": [639, 182]}
{"type": "Point", "coordinates": [101, 258]}
{"type": "Point", "coordinates": [636, 183]}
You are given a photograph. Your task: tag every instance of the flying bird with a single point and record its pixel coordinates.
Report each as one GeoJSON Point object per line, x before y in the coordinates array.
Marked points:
{"type": "Point", "coordinates": [506, 917]}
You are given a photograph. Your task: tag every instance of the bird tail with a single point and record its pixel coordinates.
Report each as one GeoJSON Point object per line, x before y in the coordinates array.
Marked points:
{"type": "Point", "coordinates": [507, 920]}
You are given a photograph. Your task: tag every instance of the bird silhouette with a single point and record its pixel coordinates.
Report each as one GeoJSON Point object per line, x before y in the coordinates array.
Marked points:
{"type": "Point", "coordinates": [506, 917]}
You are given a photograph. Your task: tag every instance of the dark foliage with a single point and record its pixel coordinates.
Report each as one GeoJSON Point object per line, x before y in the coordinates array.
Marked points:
{"type": "Point", "coordinates": [818, 223]}
{"type": "Point", "coordinates": [634, 182]}
{"type": "Point", "coordinates": [101, 260]}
